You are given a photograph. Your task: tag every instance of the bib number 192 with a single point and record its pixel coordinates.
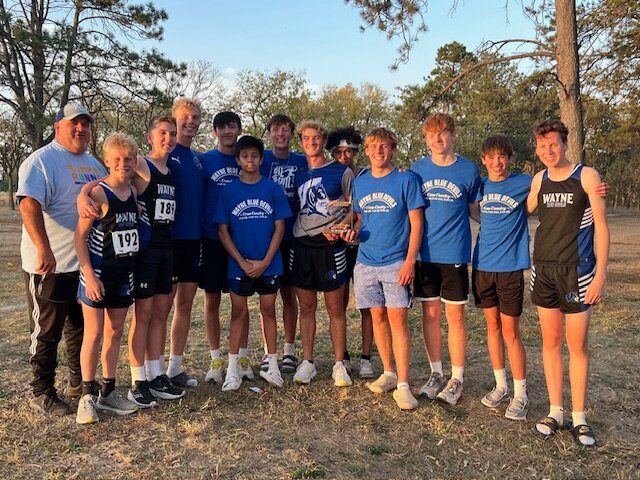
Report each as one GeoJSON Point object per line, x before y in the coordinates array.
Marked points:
{"type": "Point", "coordinates": [125, 242]}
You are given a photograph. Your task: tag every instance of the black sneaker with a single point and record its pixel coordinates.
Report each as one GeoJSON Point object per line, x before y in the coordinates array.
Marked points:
{"type": "Point", "coordinates": [49, 403]}
{"type": "Point", "coordinates": [141, 396]}
{"type": "Point", "coordinates": [161, 387]}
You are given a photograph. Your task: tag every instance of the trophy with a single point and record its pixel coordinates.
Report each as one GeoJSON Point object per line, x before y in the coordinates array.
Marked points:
{"type": "Point", "coordinates": [338, 228]}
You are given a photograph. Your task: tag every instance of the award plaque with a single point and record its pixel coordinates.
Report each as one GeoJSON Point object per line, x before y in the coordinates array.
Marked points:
{"type": "Point", "coordinates": [338, 228]}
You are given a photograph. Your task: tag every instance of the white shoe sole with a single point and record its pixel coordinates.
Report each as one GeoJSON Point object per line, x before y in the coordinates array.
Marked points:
{"type": "Point", "coordinates": [276, 382]}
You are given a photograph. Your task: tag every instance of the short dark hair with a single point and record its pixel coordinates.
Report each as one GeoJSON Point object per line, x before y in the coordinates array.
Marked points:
{"type": "Point", "coordinates": [225, 118]}
{"type": "Point", "coordinates": [281, 119]}
{"type": "Point", "coordinates": [247, 142]}
{"type": "Point", "coordinates": [349, 134]}
{"type": "Point", "coordinates": [552, 125]}
{"type": "Point", "coordinates": [497, 143]}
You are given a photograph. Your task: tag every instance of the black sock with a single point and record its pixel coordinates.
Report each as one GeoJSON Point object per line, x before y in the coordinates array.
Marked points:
{"type": "Point", "coordinates": [365, 357]}
{"type": "Point", "coordinates": [89, 388]}
{"type": "Point", "coordinates": [347, 356]}
{"type": "Point", "coordinates": [108, 386]}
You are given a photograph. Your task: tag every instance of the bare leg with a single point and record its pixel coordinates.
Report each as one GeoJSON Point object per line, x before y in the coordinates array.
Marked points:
{"type": "Point", "coordinates": [307, 300]}
{"type": "Point", "coordinates": [382, 333]}
{"type": "Point", "coordinates": [289, 312]}
{"type": "Point", "coordinates": [401, 341]}
{"type": "Point", "coordinates": [457, 333]}
{"type": "Point", "coordinates": [431, 329]}
{"type": "Point", "coordinates": [212, 319]}
{"type": "Point", "coordinates": [269, 324]}
{"type": "Point", "coordinates": [156, 338]}
{"type": "Point", "coordinates": [334, 301]}
{"type": "Point", "coordinates": [239, 316]}
{"type": "Point", "coordinates": [495, 344]}
{"type": "Point", "coordinates": [93, 328]}
{"type": "Point", "coordinates": [515, 348]}
{"type": "Point", "coordinates": [577, 342]}
{"type": "Point", "coordinates": [551, 326]}
{"type": "Point", "coordinates": [182, 316]}
{"type": "Point", "coordinates": [139, 331]}
{"type": "Point", "coordinates": [113, 327]}
{"type": "Point", "coordinates": [367, 331]}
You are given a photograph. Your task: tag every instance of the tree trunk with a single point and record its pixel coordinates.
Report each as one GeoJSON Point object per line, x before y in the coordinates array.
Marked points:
{"type": "Point", "coordinates": [569, 77]}
{"type": "Point", "coordinates": [12, 203]}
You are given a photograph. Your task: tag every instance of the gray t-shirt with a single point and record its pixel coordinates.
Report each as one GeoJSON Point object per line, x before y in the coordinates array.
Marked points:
{"type": "Point", "coordinates": [54, 176]}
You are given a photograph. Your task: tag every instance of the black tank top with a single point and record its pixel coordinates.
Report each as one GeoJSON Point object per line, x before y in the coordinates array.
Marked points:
{"type": "Point", "coordinates": [565, 233]}
{"type": "Point", "coordinates": [158, 203]}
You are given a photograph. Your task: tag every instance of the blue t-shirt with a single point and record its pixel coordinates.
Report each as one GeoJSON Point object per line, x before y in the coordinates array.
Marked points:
{"type": "Point", "coordinates": [283, 171]}
{"type": "Point", "coordinates": [186, 170]}
{"type": "Point", "coordinates": [251, 211]}
{"type": "Point", "coordinates": [384, 204]}
{"type": "Point", "coordinates": [219, 171]}
{"type": "Point", "coordinates": [447, 191]}
{"type": "Point", "coordinates": [503, 238]}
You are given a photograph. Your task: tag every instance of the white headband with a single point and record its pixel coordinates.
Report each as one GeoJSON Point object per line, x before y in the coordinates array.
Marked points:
{"type": "Point", "coordinates": [344, 143]}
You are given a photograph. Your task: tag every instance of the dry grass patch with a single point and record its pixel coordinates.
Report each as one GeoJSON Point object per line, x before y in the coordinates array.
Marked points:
{"type": "Point", "coordinates": [320, 431]}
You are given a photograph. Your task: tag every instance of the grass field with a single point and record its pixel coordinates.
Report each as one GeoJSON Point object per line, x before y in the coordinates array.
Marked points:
{"type": "Point", "coordinates": [320, 431]}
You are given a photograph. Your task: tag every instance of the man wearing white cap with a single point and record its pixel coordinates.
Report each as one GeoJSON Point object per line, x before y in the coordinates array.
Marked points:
{"type": "Point", "coordinates": [49, 181]}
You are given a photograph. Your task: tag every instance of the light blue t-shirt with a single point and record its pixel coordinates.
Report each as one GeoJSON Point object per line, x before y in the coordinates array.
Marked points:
{"type": "Point", "coordinates": [503, 238]}
{"type": "Point", "coordinates": [219, 170]}
{"type": "Point", "coordinates": [186, 170]}
{"type": "Point", "coordinates": [384, 204]}
{"type": "Point", "coordinates": [283, 171]}
{"type": "Point", "coordinates": [251, 211]}
{"type": "Point", "coordinates": [447, 192]}
{"type": "Point", "coordinates": [54, 176]}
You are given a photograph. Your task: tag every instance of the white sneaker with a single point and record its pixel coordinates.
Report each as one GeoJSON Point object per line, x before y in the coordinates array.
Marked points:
{"type": "Point", "coordinates": [216, 370]}
{"type": "Point", "coordinates": [384, 384]}
{"type": "Point", "coordinates": [495, 397]}
{"type": "Point", "coordinates": [366, 370]}
{"type": "Point", "coordinates": [87, 410]}
{"type": "Point", "coordinates": [340, 376]}
{"type": "Point", "coordinates": [451, 393]}
{"type": "Point", "coordinates": [231, 382]}
{"type": "Point", "coordinates": [405, 399]}
{"type": "Point", "coordinates": [305, 373]}
{"type": "Point", "coordinates": [244, 368]}
{"type": "Point", "coordinates": [434, 385]}
{"type": "Point", "coordinates": [273, 376]}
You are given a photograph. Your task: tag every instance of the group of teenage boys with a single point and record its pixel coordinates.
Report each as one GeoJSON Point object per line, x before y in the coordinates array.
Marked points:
{"type": "Point", "coordinates": [245, 220]}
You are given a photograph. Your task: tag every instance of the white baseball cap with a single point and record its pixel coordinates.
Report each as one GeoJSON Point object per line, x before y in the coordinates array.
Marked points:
{"type": "Point", "coordinates": [72, 110]}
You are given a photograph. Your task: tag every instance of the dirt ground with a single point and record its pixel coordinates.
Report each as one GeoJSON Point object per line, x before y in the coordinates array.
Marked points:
{"type": "Point", "coordinates": [320, 431]}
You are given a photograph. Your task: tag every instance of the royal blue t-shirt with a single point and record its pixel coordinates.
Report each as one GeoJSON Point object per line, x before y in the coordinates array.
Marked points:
{"type": "Point", "coordinates": [503, 238]}
{"type": "Point", "coordinates": [251, 211]}
{"type": "Point", "coordinates": [447, 191]}
{"type": "Point", "coordinates": [384, 204]}
{"type": "Point", "coordinates": [283, 171]}
{"type": "Point", "coordinates": [186, 170]}
{"type": "Point", "coordinates": [219, 171]}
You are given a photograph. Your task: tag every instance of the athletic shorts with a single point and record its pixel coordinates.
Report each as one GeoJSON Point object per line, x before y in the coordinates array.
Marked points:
{"type": "Point", "coordinates": [247, 286]}
{"type": "Point", "coordinates": [286, 251]}
{"type": "Point", "coordinates": [215, 264]}
{"type": "Point", "coordinates": [504, 290]}
{"type": "Point", "coordinates": [563, 287]}
{"type": "Point", "coordinates": [379, 287]}
{"type": "Point", "coordinates": [187, 261]}
{"type": "Point", "coordinates": [352, 254]}
{"type": "Point", "coordinates": [320, 269]}
{"type": "Point", "coordinates": [153, 272]}
{"type": "Point", "coordinates": [434, 281]}
{"type": "Point", "coordinates": [117, 294]}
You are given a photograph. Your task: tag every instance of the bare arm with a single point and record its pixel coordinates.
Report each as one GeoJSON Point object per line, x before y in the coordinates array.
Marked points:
{"type": "Point", "coordinates": [93, 285]}
{"type": "Point", "coordinates": [407, 272]}
{"type": "Point", "coordinates": [532, 199]}
{"type": "Point", "coordinates": [33, 221]}
{"type": "Point", "coordinates": [86, 206]}
{"type": "Point", "coordinates": [590, 180]}
{"type": "Point", "coordinates": [474, 211]}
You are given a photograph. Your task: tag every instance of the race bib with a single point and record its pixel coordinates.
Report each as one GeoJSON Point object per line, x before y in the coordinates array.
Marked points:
{"type": "Point", "coordinates": [125, 242]}
{"type": "Point", "coordinates": [165, 210]}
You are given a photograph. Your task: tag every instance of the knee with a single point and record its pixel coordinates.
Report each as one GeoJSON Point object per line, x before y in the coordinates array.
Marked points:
{"type": "Point", "coordinates": [577, 348]}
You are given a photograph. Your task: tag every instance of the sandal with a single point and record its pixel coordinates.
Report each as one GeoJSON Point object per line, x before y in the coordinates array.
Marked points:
{"type": "Point", "coordinates": [549, 422]}
{"type": "Point", "coordinates": [582, 431]}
